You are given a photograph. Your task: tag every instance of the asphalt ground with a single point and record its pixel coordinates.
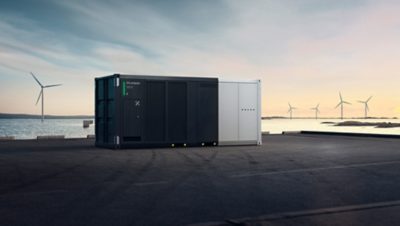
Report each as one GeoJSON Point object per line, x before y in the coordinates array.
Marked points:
{"type": "Point", "coordinates": [289, 180]}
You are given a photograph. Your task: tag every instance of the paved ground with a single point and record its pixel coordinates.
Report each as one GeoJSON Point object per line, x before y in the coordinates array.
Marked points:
{"type": "Point", "coordinates": [290, 180]}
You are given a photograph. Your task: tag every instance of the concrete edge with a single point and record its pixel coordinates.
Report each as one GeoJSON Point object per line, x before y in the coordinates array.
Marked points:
{"type": "Point", "coordinates": [238, 143]}
{"type": "Point", "coordinates": [350, 134]}
{"type": "Point", "coordinates": [7, 138]}
{"type": "Point", "coordinates": [51, 137]}
{"type": "Point", "coordinates": [291, 132]}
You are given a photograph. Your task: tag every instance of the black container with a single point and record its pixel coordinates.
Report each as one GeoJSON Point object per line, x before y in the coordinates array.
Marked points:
{"type": "Point", "coordinates": [155, 111]}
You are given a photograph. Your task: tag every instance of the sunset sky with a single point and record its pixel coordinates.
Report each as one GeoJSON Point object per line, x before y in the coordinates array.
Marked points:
{"type": "Point", "coordinates": [304, 51]}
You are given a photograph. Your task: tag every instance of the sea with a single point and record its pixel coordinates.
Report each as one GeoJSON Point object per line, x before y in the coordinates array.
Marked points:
{"type": "Point", "coordinates": [275, 126]}
{"type": "Point", "coordinates": [73, 128]}
{"type": "Point", "coordinates": [31, 128]}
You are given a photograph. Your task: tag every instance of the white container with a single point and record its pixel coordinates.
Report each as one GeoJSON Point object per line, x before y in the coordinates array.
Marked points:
{"type": "Point", "coordinates": [239, 112]}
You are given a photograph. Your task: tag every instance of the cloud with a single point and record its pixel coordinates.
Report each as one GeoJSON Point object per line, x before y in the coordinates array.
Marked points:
{"type": "Point", "coordinates": [297, 49]}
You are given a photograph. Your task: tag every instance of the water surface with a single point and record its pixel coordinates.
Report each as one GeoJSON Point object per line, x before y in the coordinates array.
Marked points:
{"type": "Point", "coordinates": [278, 125]}
{"type": "Point", "coordinates": [31, 128]}
{"type": "Point", "coordinates": [72, 128]}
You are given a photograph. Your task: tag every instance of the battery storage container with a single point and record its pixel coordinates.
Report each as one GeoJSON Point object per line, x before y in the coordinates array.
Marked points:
{"type": "Point", "coordinates": [161, 111]}
{"type": "Point", "coordinates": [155, 111]}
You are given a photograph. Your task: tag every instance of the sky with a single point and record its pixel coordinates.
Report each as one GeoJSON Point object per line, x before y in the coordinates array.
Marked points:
{"type": "Point", "coordinates": [304, 51]}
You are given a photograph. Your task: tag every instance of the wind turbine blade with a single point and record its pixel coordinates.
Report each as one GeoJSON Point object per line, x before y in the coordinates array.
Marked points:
{"type": "Point", "coordinates": [40, 94]}
{"type": "Point", "coordinates": [290, 106]}
{"type": "Point", "coordinates": [368, 99]}
{"type": "Point", "coordinates": [317, 106]}
{"type": "Point", "coordinates": [52, 85]}
{"type": "Point", "coordinates": [338, 105]}
{"type": "Point", "coordinates": [37, 80]}
{"type": "Point", "coordinates": [346, 102]}
{"type": "Point", "coordinates": [340, 95]}
{"type": "Point", "coordinates": [360, 101]}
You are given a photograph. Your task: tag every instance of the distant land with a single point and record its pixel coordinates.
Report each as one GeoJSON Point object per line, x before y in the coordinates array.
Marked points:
{"type": "Point", "coordinates": [374, 124]}
{"type": "Point", "coordinates": [29, 116]}
{"type": "Point", "coordinates": [283, 117]}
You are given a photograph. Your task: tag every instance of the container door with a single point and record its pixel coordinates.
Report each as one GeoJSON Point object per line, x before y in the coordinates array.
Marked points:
{"type": "Point", "coordinates": [207, 112]}
{"type": "Point", "coordinates": [177, 111]}
{"type": "Point", "coordinates": [228, 105]}
{"type": "Point", "coordinates": [132, 119]}
{"type": "Point", "coordinates": [248, 119]}
{"type": "Point", "coordinates": [155, 111]}
{"type": "Point", "coordinates": [132, 93]}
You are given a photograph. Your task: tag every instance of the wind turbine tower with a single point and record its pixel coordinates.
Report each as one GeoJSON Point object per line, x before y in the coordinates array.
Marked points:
{"type": "Point", "coordinates": [341, 103]}
{"type": "Point", "coordinates": [316, 109]}
{"type": "Point", "coordinates": [366, 107]}
{"type": "Point", "coordinates": [41, 94]}
{"type": "Point", "coordinates": [291, 110]}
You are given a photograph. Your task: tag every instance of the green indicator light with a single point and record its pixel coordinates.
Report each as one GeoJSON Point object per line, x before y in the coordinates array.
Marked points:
{"type": "Point", "coordinates": [123, 88]}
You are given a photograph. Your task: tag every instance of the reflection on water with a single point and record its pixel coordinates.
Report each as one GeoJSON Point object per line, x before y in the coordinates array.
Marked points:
{"type": "Point", "coordinates": [30, 128]}
{"type": "Point", "coordinates": [278, 125]}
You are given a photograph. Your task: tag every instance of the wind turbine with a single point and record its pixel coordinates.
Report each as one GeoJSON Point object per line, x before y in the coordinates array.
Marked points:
{"type": "Point", "coordinates": [41, 94]}
{"type": "Point", "coordinates": [316, 109]}
{"type": "Point", "coordinates": [341, 105]}
{"type": "Point", "coordinates": [291, 110]}
{"type": "Point", "coordinates": [366, 108]}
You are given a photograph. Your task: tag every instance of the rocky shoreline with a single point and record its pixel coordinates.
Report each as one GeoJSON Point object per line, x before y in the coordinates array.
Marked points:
{"type": "Point", "coordinates": [373, 124]}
